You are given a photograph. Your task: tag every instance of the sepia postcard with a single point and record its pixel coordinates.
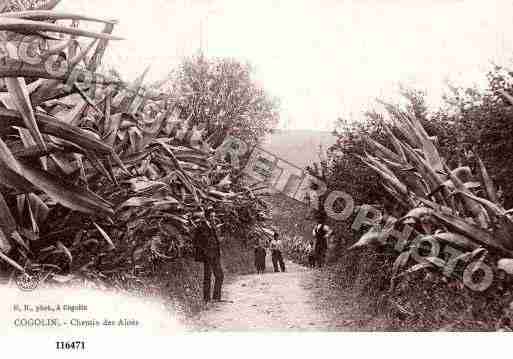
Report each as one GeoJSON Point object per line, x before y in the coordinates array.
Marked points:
{"type": "Point", "coordinates": [196, 177]}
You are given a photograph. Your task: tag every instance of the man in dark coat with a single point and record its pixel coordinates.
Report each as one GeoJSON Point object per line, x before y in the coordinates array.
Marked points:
{"type": "Point", "coordinates": [321, 233]}
{"type": "Point", "coordinates": [260, 254]}
{"type": "Point", "coordinates": [208, 251]}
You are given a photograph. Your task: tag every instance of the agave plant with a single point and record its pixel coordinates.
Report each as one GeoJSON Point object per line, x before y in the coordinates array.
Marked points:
{"type": "Point", "coordinates": [93, 181]}
{"type": "Point", "coordinates": [33, 141]}
{"type": "Point", "coordinates": [450, 205]}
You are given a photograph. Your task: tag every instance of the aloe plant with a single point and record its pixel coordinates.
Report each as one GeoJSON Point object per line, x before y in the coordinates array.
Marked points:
{"type": "Point", "coordinates": [91, 182]}
{"type": "Point", "coordinates": [450, 205]}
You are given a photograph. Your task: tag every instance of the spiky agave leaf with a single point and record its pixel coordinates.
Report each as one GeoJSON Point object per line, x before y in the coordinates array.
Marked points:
{"type": "Point", "coordinates": [424, 167]}
{"type": "Point", "coordinates": [400, 262]}
{"type": "Point", "coordinates": [456, 239]}
{"type": "Point", "coordinates": [428, 148]}
{"type": "Point", "coordinates": [492, 208]}
{"type": "Point", "coordinates": [81, 56]}
{"type": "Point", "coordinates": [26, 177]}
{"type": "Point", "coordinates": [20, 97]}
{"type": "Point", "coordinates": [7, 225]}
{"type": "Point", "coordinates": [18, 68]}
{"type": "Point", "coordinates": [100, 49]}
{"type": "Point", "coordinates": [105, 236]}
{"type": "Point", "coordinates": [473, 232]}
{"type": "Point", "coordinates": [5, 244]}
{"type": "Point", "coordinates": [388, 176]}
{"type": "Point", "coordinates": [30, 26]}
{"type": "Point", "coordinates": [373, 236]}
{"type": "Point", "coordinates": [379, 149]}
{"type": "Point", "coordinates": [473, 207]}
{"type": "Point", "coordinates": [377, 163]}
{"type": "Point", "coordinates": [11, 262]}
{"type": "Point", "coordinates": [417, 213]}
{"type": "Point", "coordinates": [40, 15]}
{"type": "Point", "coordinates": [70, 196]}
{"type": "Point", "coordinates": [396, 143]}
{"type": "Point", "coordinates": [52, 126]}
{"type": "Point", "coordinates": [10, 169]}
{"type": "Point", "coordinates": [404, 201]}
{"type": "Point", "coordinates": [416, 268]}
{"type": "Point", "coordinates": [487, 181]}
{"type": "Point", "coordinates": [61, 247]}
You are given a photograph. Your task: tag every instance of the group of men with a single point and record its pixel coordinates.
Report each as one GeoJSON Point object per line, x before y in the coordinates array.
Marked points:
{"type": "Point", "coordinates": [275, 245]}
{"type": "Point", "coordinates": [316, 248]}
{"type": "Point", "coordinates": [207, 249]}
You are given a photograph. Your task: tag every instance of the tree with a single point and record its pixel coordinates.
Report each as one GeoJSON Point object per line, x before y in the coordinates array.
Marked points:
{"type": "Point", "coordinates": [221, 94]}
{"type": "Point", "coordinates": [482, 124]}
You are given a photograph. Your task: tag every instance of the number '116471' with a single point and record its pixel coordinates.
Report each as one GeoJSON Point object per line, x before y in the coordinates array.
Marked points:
{"type": "Point", "coordinates": [76, 345]}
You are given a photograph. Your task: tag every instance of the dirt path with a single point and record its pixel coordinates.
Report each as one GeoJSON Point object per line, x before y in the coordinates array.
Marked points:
{"type": "Point", "coordinates": [269, 301]}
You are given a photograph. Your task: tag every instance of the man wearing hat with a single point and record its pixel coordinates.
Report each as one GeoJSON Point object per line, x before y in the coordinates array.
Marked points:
{"type": "Point", "coordinates": [321, 233]}
{"type": "Point", "coordinates": [260, 254]}
{"type": "Point", "coordinates": [208, 251]}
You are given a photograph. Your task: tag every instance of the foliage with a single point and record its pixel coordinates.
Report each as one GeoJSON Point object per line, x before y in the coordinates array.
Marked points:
{"type": "Point", "coordinates": [451, 206]}
{"type": "Point", "coordinates": [94, 181]}
{"type": "Point", "coordinates": [296, 248]}
{"type": "Point", "coordinates": [346, 172]}
{"type": "Point", "coordinates": [221, 93]}
{"type": "Point", "coordinates": [482, 124]}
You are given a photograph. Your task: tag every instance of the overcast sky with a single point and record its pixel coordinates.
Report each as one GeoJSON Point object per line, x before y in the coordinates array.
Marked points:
{"type": "Point", "coordinates": [323, 59]}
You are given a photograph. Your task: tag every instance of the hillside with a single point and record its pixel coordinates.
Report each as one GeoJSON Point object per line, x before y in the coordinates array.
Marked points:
{"type": "Point", "coordinates": [300, 147]}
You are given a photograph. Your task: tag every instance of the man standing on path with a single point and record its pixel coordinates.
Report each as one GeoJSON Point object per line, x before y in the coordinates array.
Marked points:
{"type": "Point", "coordinates": [321, 233]}
{"type": "Point", "coordinates": [260, 254]}
{"type": "Point", "coordinates": [276, 255]}
{"type": "Point", "coordinates": [208, 251]}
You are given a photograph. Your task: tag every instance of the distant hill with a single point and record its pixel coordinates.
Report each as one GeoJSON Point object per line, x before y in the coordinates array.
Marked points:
{"type": "Point", "coordinates": [300, 147]}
